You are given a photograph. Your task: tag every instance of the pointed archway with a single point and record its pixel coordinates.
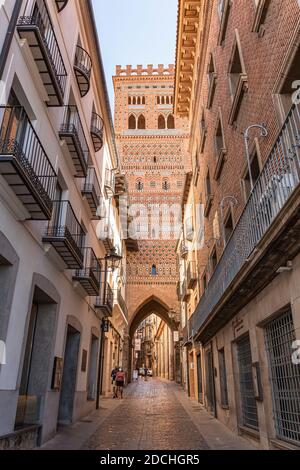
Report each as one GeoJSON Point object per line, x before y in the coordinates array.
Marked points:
{"type": "Point", "coordinates": [151, 305]}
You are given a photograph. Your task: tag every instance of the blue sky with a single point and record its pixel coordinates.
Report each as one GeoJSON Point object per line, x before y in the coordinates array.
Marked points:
{"type": "Point", "coordinates": [135, 32]}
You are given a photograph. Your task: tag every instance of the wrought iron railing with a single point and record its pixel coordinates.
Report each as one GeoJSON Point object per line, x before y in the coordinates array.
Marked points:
{"type": "Point", "coordinates": [41, 19]}
{"type": "Point", "coordinates": [122, 303]}
{"type": "Point", "coordinates": [83, 61]}
{"type": "Point", "coordinates": [64, 224]}
{"type": "Point", "coordinates": [105, 298]}
{"type": "Point", "coordinates": [91, 266]}
{"type": "Point", "coordinates": [19, 139]}
{"type": "Point", "coordinates": [91, 183]}
{"type": "Point", "coordinates": [72, 125]}
{"type": "Point", "coordinates": [277, 181]}
{"type": "Point", "coordinates": [97, 126]}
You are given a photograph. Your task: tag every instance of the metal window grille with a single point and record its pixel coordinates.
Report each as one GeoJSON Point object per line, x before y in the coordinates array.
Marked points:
{"type": "Point", "coordinates": [223, 378]}
{"type": "Point", "coordinates": [248, 402]}
{"type": "Point", "coordinates": [284, 377]}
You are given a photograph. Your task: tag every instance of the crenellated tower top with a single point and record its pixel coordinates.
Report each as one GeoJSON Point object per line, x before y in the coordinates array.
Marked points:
{"type": "Point", "coordinates": [150, 70]}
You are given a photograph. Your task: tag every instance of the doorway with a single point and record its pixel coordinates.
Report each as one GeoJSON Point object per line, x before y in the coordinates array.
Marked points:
{"type": "Point", "coordinates": [66, 403]}
{"type": "Point", "coordinates": [37, 360]}
{"type": "Point", "coordinates": [94, 352]}
{"type": "Point", "coordinates": [210, 383]}
{"type": "Point", "coordinates": [199, 376]}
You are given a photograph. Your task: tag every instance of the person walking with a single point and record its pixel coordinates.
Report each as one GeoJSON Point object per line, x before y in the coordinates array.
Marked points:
{"type": "Point", "coordinates": [146, 373]}
{"type": "Point", "coordinates": [120, 379]}
{"type": "Point", "coordinates": [113, 380]}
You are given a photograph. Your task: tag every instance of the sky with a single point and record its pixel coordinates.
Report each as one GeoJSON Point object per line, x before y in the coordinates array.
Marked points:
{"type": "Point", "coordinates": [135, 32]}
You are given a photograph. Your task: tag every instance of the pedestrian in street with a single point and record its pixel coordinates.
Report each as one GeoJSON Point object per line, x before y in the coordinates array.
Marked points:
{"type": "Point", "coordinates": [146, 373]}
{"type": "Point", "coordinates": [120, 379]}
{"type": "Point", "coordinates": [113, 380]}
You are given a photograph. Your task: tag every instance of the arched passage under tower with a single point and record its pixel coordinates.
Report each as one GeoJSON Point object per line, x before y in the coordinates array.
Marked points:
{"type": "Point", "coordinates": [163, 337]}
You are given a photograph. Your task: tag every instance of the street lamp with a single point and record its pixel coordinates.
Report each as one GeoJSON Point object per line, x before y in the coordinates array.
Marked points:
{"type": "Point", "coordinates": [111, 262]}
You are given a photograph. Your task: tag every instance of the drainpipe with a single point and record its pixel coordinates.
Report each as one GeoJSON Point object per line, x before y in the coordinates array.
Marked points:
{"type": "Point", "coordinates": [9, 35]}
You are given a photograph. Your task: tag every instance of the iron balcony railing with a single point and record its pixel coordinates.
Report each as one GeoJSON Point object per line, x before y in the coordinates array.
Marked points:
{"type": "Point", "coordinates": [97, 131]}
{"type": "Point", "coordinates": [90, 274]}
{"type": "Point", "coordinates": [19, 140]}
{"type": "Point", "coordinates": [110, 182]}
{"type": "Point", "coordinates": [42, 21]}
{"type": "Point", "coordinates": [105, 300]}
{"type": "Point", "coordinates": [122, 303]}
{"type": "Point", "coordinates": [72, 127]}
{"type": "Point", "coordinates": [191, 275]}
{"type": "Point", "coordinates": [278, 180]}
{"type": "Point", "coordinates": [66, 234]}
{"type": "Point", "coordinates": [83, 68]}
{"type": "Point", "coordinates": [91, 190]}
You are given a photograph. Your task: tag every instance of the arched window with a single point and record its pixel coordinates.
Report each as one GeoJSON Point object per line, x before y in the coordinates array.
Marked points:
{"type": "Point", "coordinates": [134, 100]}
{"type": "Point", "coordinates": [129, 99]}
{"type": "Point", "coordinates": [132, 122]}
{"type": "Point", "coordinates": [153, 270]}
{"type": "Point", "coordinates": [139, 185]}
{"type": "Point", "coordinates": [144, 100]}
{"type": "Point", "coordinates": [139, 100]}
{"type": "Point", "coordinates": [162, 100]}
{"type": "Point", "coordinates": [167, 100]}
{"type": "Point", "coordinates": [171, 122]}
{"type": "Point", "coordinates": [158, 100]}
{"type": "Point", "coordinates": [165, 185]}
{"type": "Point", "coordinates": [141, 122]}
{"type": "Point", "coordinates": [161, 122]}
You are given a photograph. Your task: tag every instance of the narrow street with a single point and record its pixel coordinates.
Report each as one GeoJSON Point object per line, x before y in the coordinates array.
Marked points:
{"type": "Point", "coordinates": [154, 415]}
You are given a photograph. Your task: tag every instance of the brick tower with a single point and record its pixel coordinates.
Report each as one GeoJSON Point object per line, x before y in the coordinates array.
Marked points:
{"type": "Point", "coordinates": [152, 146]}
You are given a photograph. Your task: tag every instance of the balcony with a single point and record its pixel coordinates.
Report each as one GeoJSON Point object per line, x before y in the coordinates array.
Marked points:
{"type": "Point", "coordinates": [107, 234]}
{"type": "Point", "coordinates": [97, 131]}
{"type": "Point", "coordinates": [83, 68]}
{"type": "Point", "coordinates": [122, 304]}
{"type": "Point", "coordinates": [265, 238]}
{"type": "Point", "coordinates": [61, 4]}
{"type": "Point", "coordinates": [110, 183]}
{"type": "Point", "coordinates": [90, 274]}
{"type": "Point", "coordinates": [66, 235]}
{"type": "Point", "coordinates": [191, 275]}
{"type": "Point", "coordinates": [185, 293]}
{"type": "Point", "coordinates": [24, 163]}
{"type": "Point", "coordinates": [120, 184]}
{"type": "Point", "coordinates": [105, 300]}
{"type": "Point", "coordinates": [92, 192]}
{"type": "Point", "coordinates": [39, 33]}
{"type": "Point", "coordinates": [72, 132]}
{"type": "Point", "coordinates": [184, 250]}
{"type": "Point", "coordinates": [189, 229]}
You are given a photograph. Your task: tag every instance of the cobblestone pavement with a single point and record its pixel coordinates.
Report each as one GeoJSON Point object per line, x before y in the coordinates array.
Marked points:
{"type": "Point", "coordinates": [150, 417]}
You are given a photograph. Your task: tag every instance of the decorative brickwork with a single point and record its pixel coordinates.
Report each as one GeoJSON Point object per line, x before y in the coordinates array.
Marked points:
{"type": "Point", "coordinates": [153, 148]}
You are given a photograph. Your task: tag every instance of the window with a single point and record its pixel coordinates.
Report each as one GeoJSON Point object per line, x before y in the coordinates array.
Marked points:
{"type": "Point", "coordinates": [165, 185]}
{"type": "Point", "coordinates": [223, 379]}
{"type": "Point", "coordinates": [228, 226]}
{"type": "Point", "coordinates": [134, 100]}
{"type": "Point", "coordinates": [220, 148]}
{"type": "Point", "coordinates": [261, 11]}
{"type": "Point", "coordinates": [213, 261]}
{"type": "Point", "coordinates": [139, 100]}
{"type": "Point", "coordinates": [162, 100]}
{"type": "Point", "coordinates": [141, 122]}
{"type": "Point", "coordinates": [237, 80]}
{"type": "Point", "coordinates": [153, 270]}
{"type": "Point", "coordinates": [143, 100]}
{"type": "Point", "coordinates": [284, 377]}
{"type": "Point", "coordinates": [152, 184]}
{"type": "Point", "coordinates": [212, 81]}
{"type": "Point", "coordinates": [139, 185]}
{"type": "Point", "coordinates": [287, 86]}
{"type": "Point", "coordinates": [255, 172]}
{"type": "Point", "coordinates": [158, 99]}
{"type": "Point", "coordinates": [171, 122]}
{"type": "Point", "coordinates": [208, 194]}
{"type": "Point", "coordinates": [203, 132]}
{"type": "Point", "coordinates": [223, 12]}
{"type": "Point", "coordinates": [132, 122]}
{"type": "Point", "coordinates": [248, 402]}
{"type": "Point", "coordinates": [129, 100]}
{"type": "Point", "coordinates": [161, 122]}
